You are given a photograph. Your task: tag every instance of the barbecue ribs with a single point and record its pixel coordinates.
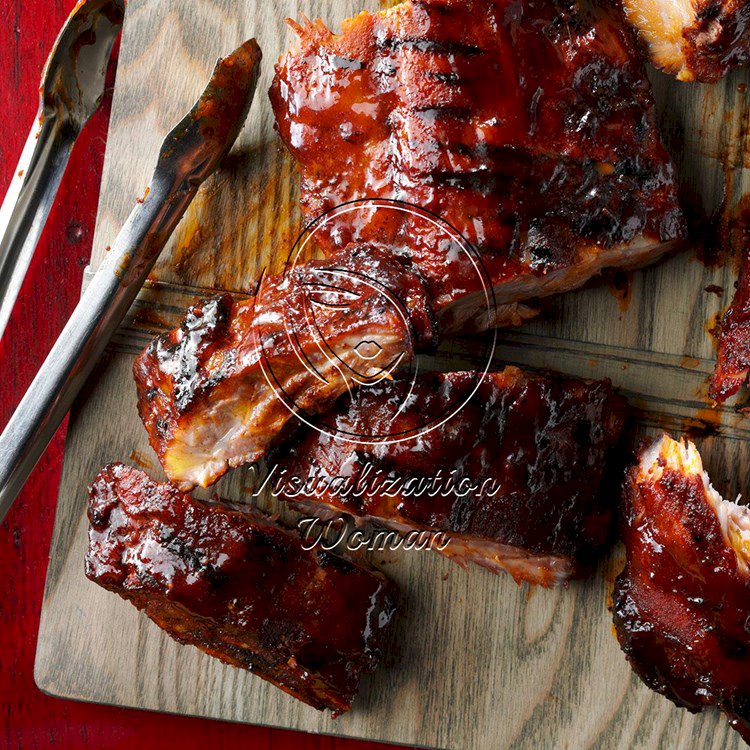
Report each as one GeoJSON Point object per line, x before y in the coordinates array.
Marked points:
{"type": "Point", "coordinates": [513, 477]}
{"type": "Point", "coordinates": [682, 603]}
{"type": "Point", "coordinates": [239, 587]}
{"type": "Point", "coordinates": [733, 362]}
{"type": "Point", "coordinates": [695, 40]}
{"type": "Point", "coordinates": [217, 392]}
{"type": "Point", "coordinates": [527, 126]}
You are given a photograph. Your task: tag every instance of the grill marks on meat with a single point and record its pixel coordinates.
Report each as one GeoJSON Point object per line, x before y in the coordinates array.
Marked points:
{"type": "Point", "coordinates": [529, 127]}
{"type": "Point", "coordinates": [535, 448]}
{"type": "Point", "coordinates": [694, 40]}
{"type": "Point", "coordinates": [682, 603]}
{"type": "Point", "coordinates": [733, 362]}
{"type": "Point", "coordinates": [239, 587]}
{"type": "Point", "coordinates": [219, 391]}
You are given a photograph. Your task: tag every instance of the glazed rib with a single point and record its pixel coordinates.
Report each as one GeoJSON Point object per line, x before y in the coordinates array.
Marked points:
{"type": "Point", "coordinates": [694, 40]}
{"type": "Point", "coordinates": [519, 466]}
{"type": "Point", "coordinates": [733, 359]}
{"type": "Point", "coordinates": [219, 391]}
{"type": "Point", "coordinates": [528, 126]}
{"type": "Point", "coordinates": [239, 587]}
{"type": "Point", "coordinates": [682, 603]}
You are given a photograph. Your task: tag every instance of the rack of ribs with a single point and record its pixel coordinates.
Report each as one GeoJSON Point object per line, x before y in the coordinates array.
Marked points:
{"type": "Point", "coordinates": [510, 471]}
{"type": "Point", "coordinates": [733, 360]}
{"type": "Point", "coordinates": [682, 603]}
{"type": "Point", "coordinates": [239, 587]}
{"type": "Point", "coordinates": [529, 127]}
{"type": "Point", "coordinates": [694, 40]}
{"type": "Point", "coordinates": [224, 387]}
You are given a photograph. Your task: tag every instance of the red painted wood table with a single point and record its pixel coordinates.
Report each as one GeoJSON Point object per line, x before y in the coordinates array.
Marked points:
{"type": "Point", "coordinates": [29, 719]}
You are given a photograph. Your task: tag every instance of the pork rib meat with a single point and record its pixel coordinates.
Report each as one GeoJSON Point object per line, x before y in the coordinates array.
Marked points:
{"type": "Point", "coordinates": [529, 127]}
{"type": "Point", "coordinates": [682, 603]}
{"type": "Point", "coordinates": [239, 587]}
{"type": "Point", "coordinates": [510, 467]}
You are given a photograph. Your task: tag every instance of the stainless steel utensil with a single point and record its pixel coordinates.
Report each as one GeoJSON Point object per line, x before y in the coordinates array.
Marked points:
{"type": "Point", "coordinates": [72, 90]}
{"type": "Point", "coordinates": [189, 154]}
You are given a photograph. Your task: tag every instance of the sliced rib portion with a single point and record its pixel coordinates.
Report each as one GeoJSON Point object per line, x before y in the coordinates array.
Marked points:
{"type": "Point", "coordinates": [694, 40]}
{"type": "Point", "coordinates": [217, 392]}
{"type": "Point", "coordinates": [682, 603]}
{"type": "Point", "coordinates": [513, 478]}
{"type": "Point", "coordinates": [239, 587]}
{"type": "Point", "coordinates": [733, 363]}
{"type": "Point", "coordinates": [529, 127]}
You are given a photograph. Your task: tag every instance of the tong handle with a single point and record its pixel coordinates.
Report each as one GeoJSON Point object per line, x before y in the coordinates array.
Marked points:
{"type": "Point", "coordinates": [100, 310]}
{"type": "Point", "coordinates": [191, 152]}
{"type": "Point", "coordinates": [28, 202]}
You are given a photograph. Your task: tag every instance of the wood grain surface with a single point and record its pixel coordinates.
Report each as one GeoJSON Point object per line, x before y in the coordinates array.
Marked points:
{"type": "Point", "coordinates": [479, 662]}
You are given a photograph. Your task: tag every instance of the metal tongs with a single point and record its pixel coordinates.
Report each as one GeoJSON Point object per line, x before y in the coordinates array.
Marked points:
{"type": "Point", "coordinates": [189, 154]}
{"type": "Point", "coordinates": [72, 90]}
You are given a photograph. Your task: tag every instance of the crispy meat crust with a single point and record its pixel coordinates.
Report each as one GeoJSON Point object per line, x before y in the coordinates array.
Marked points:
{"type": "Point", "coordinates": [682, 603]}
{"type": "Point", "coordinates": [221, 389]}
{"type": "Point", "coordinates": [239, 587]}
{"type": "Point", "coordinates": [529, 127]}
{"type": "Point", "coordinates": [694, 40]}
{"type": "Point", "coordinates": [534, 448]}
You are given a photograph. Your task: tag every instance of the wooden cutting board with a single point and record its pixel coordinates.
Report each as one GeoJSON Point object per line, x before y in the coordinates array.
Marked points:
{"type": "Point", "coordinates": [479, 662]}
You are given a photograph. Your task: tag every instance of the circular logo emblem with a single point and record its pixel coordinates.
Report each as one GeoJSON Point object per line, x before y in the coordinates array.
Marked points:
{"type": "Point", "coordinates": [367, 316]}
